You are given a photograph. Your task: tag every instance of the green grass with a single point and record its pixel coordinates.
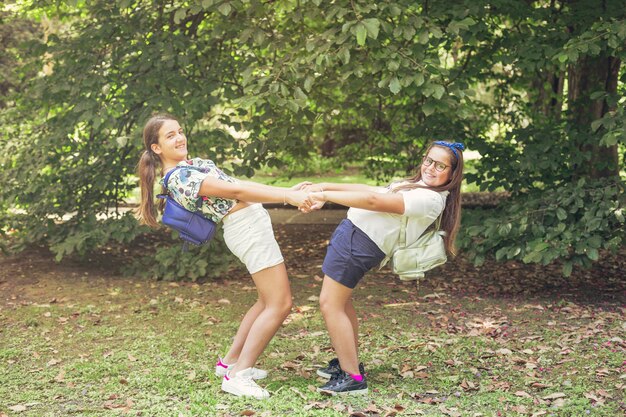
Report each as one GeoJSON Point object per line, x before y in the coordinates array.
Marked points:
{"type": "Point", "coordinates": [111, 346]}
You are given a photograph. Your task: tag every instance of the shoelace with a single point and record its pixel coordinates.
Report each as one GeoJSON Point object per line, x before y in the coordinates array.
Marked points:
{"type": "Point", "coordinates": [248, 381]}
{"type": "Point", "coordinates": [336, 379]}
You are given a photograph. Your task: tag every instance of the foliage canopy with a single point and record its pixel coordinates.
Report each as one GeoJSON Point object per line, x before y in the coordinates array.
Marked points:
{"type": "Point", "coordinates": [536, 87]}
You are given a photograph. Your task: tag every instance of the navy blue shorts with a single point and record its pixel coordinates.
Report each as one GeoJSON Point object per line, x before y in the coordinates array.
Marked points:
{"type": "Point", "coordinates": [350, 254]}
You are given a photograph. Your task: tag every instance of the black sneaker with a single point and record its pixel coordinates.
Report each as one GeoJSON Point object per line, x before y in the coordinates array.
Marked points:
{"type": "Point", "coordinates": [341, 383]}
{"type": "Point", "coordinates": [332, 368]}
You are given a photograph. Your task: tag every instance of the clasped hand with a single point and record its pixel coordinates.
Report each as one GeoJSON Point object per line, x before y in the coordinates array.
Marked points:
{"type": "Point", "coordinates": [313, 196]}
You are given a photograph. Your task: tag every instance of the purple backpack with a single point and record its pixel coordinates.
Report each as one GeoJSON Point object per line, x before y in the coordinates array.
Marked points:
{"type": "Point", "coordinates": [191, 226]}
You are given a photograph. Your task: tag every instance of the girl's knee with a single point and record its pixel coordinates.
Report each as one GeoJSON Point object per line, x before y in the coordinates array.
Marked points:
{"type": "Point", "coordinates": [282, 306]}
{"type": "Point", "coordinates": [328, 306]}
{"type": "Point", "coordinates": [285, 305]}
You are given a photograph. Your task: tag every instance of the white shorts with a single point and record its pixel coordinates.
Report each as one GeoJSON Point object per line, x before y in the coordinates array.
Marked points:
{"type": "Point", "coordinates": [249, 235]}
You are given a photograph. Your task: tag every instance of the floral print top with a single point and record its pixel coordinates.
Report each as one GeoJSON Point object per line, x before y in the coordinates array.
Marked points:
{"type": "Point", "coordinates": [184, 186]}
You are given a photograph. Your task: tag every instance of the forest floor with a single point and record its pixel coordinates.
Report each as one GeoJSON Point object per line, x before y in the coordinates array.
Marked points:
{"type": "Point", "coordinates": [503, 339]}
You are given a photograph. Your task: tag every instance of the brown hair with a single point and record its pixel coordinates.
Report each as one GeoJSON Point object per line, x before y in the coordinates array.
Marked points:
{"type": "Point", "coordinates": [146, 170]}
{"type": "Point", "coordinates": [451, 218]}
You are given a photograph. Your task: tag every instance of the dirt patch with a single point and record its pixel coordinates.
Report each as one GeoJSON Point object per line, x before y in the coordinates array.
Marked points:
{"type": "Point", "coordinates": [34, 276]}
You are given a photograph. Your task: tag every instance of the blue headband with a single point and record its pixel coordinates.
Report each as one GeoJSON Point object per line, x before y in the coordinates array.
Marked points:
{"type": "Point", "coordinates": [454, 146]}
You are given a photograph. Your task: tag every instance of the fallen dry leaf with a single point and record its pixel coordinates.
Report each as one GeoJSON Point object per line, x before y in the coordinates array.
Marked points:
{"type": "Point", "coordinates": [301, 395]}
{"type": "Point", "coordinates": [53, 362]}
{"type": "Point", "coordinates": [60, 376]}
{"type": "Point", "coordinates": [554, 396]}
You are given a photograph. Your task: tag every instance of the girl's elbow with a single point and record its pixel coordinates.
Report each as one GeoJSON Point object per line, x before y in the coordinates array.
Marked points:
{"type": "Point", "coordinates": [373, 202]}
{"type": "Point", "coordinates": [237, 192]}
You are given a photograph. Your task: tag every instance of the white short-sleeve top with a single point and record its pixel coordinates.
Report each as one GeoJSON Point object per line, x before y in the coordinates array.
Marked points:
{"type": "Point", "coordinates": [421, 205]}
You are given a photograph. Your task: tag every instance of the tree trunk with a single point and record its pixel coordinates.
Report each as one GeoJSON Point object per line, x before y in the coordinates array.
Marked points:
{"type": "Point", "coordinates": [549, 101]}
{"type": "Point", "coordinates": [588, 75]}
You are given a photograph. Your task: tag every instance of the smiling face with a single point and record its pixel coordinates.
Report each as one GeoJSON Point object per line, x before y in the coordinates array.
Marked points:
{"type": "Point", "coordinates": [436, 159]}
{"type": "Point", "coordinates": [172, 145]}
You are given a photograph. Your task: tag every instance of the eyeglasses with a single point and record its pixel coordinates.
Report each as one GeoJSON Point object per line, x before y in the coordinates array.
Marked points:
{"type": "Point", "coordinates": [439, 166]}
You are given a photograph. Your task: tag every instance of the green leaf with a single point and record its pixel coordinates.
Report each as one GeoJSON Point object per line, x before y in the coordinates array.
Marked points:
{"type": "Point", "coordinates": [180, 15]}
{"type": "Point", "coordinates": [597, 95]}
{"type": "Point", "coordinates": [595, 241]}
{"type": "Point", "coordinates": [596, 124]}
{"type": "Point", "coordinates": [299, 94]}
{"type": "Point", "coordinates": [121, 141]}
{"type": "Point", "coordinates": [561, 214]}
{"type": "Point", "coordinates": [224, 8]}
{"type": "Point", "coordinates": [423, 37]}
{"type": "Point", "coordinates": [419, 79]}
{"type": "Point", "coordinates": [394, 85]}
{"type": "Point", "coordinates": [344, 55]}
{"type": "Point", "coordinates": [567, 268]}
{"type": "Point", "coordinates": [468, 21]}
{"type": "Point", "coordinates": [372, 26]}
{"type": "Point", "coordinates": [500, 253]}
{"type": "Point", "coordinates": [393, 65]}
{"type": "Point", "coordinates": [292, 105]}
{"type": "Point", "coordinates": [361, 34]}
{"type": "Point", "coordinates": [429, 108]}
{"type": "Point", "coordinates": [514, 251]}
{"type": "Point", "coordinates": [308, 83]}
{"type": "Point", "coordinates": [439, 90]}
{"type": "Point", "coordinates": [504, 229]}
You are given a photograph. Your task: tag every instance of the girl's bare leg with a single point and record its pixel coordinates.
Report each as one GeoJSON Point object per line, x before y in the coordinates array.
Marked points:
{"type": "Point", "coordinates": [275, 299]}
{"type": "Point", "coordinates": [339, 314]}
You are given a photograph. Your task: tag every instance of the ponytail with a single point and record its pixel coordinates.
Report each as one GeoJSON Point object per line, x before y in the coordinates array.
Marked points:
{"type": "Point", "coordinates": [146, 170]}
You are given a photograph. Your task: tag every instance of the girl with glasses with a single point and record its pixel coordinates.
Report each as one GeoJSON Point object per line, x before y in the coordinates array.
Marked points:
{"type": "Point", "coordinates": [371, 232]}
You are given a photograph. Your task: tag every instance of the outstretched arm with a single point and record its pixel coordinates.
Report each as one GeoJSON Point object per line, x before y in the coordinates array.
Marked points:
{"type": "Point", "coordinates": [299, 186]}
{"type": "Point", "coordinates": [333, 186]}
{"type": "Point", "coordinates": [251, 192]}
{"type": "Point", "coordinates": [388, 203]}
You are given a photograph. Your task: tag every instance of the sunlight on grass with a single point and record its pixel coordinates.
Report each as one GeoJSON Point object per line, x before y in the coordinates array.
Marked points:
{"type": "Point", "coordinates": [143, 350]}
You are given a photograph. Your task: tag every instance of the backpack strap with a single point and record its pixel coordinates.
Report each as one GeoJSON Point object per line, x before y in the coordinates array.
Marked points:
{"type": "Point", "coordinates": [167, 176]}
{"type": "Point", "coordinates": [166, 179]}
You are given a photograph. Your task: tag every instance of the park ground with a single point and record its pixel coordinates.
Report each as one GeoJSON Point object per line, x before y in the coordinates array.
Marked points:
{"type": "Point", "coordinates": [503, 339]}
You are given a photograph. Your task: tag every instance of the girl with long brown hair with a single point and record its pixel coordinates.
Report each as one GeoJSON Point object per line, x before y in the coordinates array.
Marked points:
{"type": "Point", "coordinates": [370, 233]}
{"type": "Point", "coordinates": [200, 186]}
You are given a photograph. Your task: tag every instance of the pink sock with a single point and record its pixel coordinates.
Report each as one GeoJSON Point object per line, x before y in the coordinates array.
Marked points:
{"type": "Point", "coordinates": [222, 364]}
{"type": "Point", "coordinates": [357, 377]}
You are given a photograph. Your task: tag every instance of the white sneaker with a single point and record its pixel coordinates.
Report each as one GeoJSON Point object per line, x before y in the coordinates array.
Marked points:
{"type": "Point", "coordinates": [242, 385]}
{"type": "Point", "coordinates": [221, 368]}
